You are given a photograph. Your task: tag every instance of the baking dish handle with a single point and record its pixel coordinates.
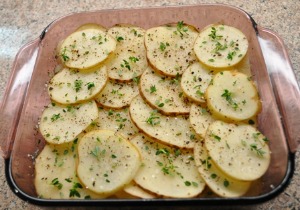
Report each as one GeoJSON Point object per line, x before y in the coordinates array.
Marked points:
{"type": "Point", "coordinates": [285, 86]}
{"type": "Point", "coordinates": [14, 95]}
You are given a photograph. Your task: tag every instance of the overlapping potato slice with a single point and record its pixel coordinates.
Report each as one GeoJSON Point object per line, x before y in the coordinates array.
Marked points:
{"type": "Point", "coordinates": [86, 47]}
{"type": "Point", "coordinates": [232, 96]}
{"type": "Point", "coordinates": [170, 47]}
{"type": "Point", "coordinates": [135, 190]}
{"type": "Point", "coordinates": [60, 124]}
{"type": "Point", "coordinates": [107, 161]}
{"type": "Point", "coordinates": [167, 171]}
{"type": "Point", "coordinates": [55, 173]}
{"type": "Point", "coordinates": [129, 59]}
{"type": "Point", "coordinates": [173, 130]}
{"type": "Point", "coordinates": [217, 181]}
{"type": "Point", "coordinates": [240, 151]}
{"type": "Point", "coordinates": [73, 86]}
{"type": "Point", "coordinates": [117, 94]}
{"type": "Point", "coordinates": [117, 120]}
{"type": "Point", "coordinates": [163, 93]}
{"type": "Point", "coordinates": [221, 46]}
{"type": "Point", "coordinates": [195, 80]}
{"type": "Point", "coordinates": [200, 118]}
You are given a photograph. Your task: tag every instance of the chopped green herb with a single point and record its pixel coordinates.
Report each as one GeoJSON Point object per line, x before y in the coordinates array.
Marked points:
{"type": "Point", "coordinates": [228, 96]}
{"type": "Point", "coordinates": [213, 176]}
{"type": "Point", "coordinates": [181, 29]}
{"type": "Point", "coordinates": [73, 191]}
{"type": "Point", "coordinates": [55, 182]}
{"type": "Point", "coordinates": [153, 119]}
{"type": "Point", "coordinates": [119, 38]}
{"type": "Point", "coordinates": [133, 59]}
{"type": "Point", "coordinates": [259, 151]}
{"type": "Point", "coordinates": [90, 85]}
{"type": "Point", "coordinates": [153, 89]}
{"type": "Point", "coordinates": [213, 34]}
{"type": "Point", "coordinates": [230, 55]}
{"type": "Point", "coordinates": [64, 56]}
{"type": "Point", "coordinates": [226, 183]}
{"type": "Point", "coordinates": [55, 117]}
{"type": "Point", "coordinates": [125, 64]}
{"type": "Point", "coordinates": [77, 84]}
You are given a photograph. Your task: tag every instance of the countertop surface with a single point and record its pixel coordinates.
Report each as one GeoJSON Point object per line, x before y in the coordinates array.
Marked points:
{"type": "Point", "coordinates": [23, 20]}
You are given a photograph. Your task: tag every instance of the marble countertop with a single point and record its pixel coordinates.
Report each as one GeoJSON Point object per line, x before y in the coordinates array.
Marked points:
{"type": "Point", "coordinates": [23, 21]}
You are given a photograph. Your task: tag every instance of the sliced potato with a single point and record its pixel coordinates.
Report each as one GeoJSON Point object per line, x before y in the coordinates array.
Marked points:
{"type": "Point", "coordinates": [216, 180]}
{"type": "Point", "coordinates": [167, 171]}
{"type": "Point", "coordinates": [115, 120]}
{"type": "Point", "coordinates": [117, 94]}
{"type": "Point", "coordinates": [86, 47]}
{"type": "Point", "coordinates": [55, 173]}
{"type": "Point", "coordinates": [173, 130]}
{"type": "Point", "coordinates": [195, 80]}
{"type": "Point", "coordinates": [60, 124]}
{"type": "Point", "coordinates": [135, 190]}
{"type": "Point", "coordinates": [232, 96]}
{"type": "Point", "coordinates": [73, 86]}
{"type": "Point", "coordinates": [240, 151]}
{"type": "Point", "coordinates": [129, 59]}
{"type": "Point", "coordinates": [163, 93]}
{"type": "Point", "coordinates": [170, 47]}
{"type": "Point", "coordinates": [221, 46]}
{"type": "Point", "coordinates": [107, 161]}
{"type": "Point", "coordinates": [200, 118]}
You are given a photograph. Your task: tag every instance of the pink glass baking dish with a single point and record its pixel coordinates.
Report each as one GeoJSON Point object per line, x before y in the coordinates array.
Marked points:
{"type": "Point", "coordinates": [26, 95]}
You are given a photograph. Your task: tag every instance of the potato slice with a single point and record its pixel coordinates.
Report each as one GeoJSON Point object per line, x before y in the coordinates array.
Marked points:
{"type": "Point", "coordinates": [232, 96]}
{"type": "Point", "coordinates": [60, 124]}
{"type": "Point", "coordinates": [55, 173]}
{"type": "Point", "coordinates": [167, 171]}
{"type": "Point", "coordinates": [73, 86]}
{"type": "Point", "coordinates": [86, 47]}
{"type": "Point", "coordinates": [195, 80]}
{"type": "Point", "coordinates": [172, 130]}
{"type": "Point", "coordinates": [170, 47]}
{"type": "Point", "coordinates": [240, 151]}
{"type": "Point", "coordinates": [200, 118]}
{"type": "Point", "coordinates": [129, 59]}
{"type": "Point", "coordinates": [216, 180]}
{"type": "Point", "coordinates": [164, 93]}
{"type": "Point", "coordinates": [107, 161]}
{"type": "Point", "coordinates": [117, 94]}
{"type": "Point", "coordinates": [221, 46]}
{"type": "Point", "coordinates": [117, 120]}
{"type": "Point", "coordinates": [135, 190]}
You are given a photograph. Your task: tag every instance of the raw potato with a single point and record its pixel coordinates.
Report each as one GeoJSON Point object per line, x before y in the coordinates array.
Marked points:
{"type": "Point", "coordinates": [220, 46]}
{"type": "Point", "coordinates": [195, 80]}
{"type": "Point", "coordinates": [163, 93]}
{"type": "Point", "coordinates": [107, 161]}
{"type": "Point", "coordinates": [86, 47]}
{"type": "Point", "coordinates": [200, 118]}
{"type": "Point", "coordinates": [71, 86]}
{"type": "Point", "coordinates": [232, 96]}
{"type": "Point", "coordinates": [240, 151]}
{"type": "Point", "coordinates": [167, 171]}
{"type": "Point", "coordinates": [216, 180]}
{"type": "Point", "coordinates": [129, 60]}
{"type": "Point", "coordinates": [135, 190]}
{"type": "Point", "coordinates": [60, 124]}
{"type": "Point", "coordinates": [170, 47]}
{"type": "Point", "coordinates": [55, 173]}
{"type": "Point", "coordinates": [115, 120]}
{"type": "Point", "coordinates": [117, 94]}
{"type": "Point", "coordinates": [172, 130]}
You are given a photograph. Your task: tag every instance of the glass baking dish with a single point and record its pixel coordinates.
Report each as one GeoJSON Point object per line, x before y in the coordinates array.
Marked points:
{"type": "Point", "coordinates": [26, 95]}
